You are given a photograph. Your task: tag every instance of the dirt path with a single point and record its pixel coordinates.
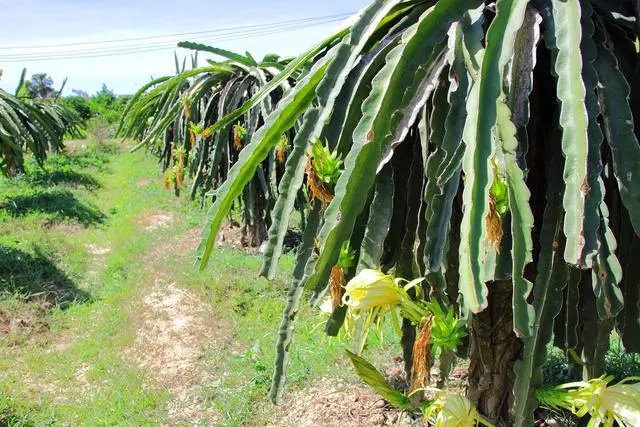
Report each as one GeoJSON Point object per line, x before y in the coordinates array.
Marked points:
{"type": "Point", "coordinates": [173, 326]}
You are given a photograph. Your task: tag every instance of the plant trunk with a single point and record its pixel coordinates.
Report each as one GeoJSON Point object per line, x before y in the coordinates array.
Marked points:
{"type": "Point", "coordinates": [256, 229]}
{"type": "Point", "coordinates": [494, 349]}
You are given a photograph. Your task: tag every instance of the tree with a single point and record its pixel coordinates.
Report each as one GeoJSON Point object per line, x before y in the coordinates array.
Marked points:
{"type": "Point", "coordinates": [79, 92]}
{"type": "Point", "coordinates": [78, 104]}
{"type": "Point", "coordinates": [173, 115]}
{"type": "Point", "coordinates": [30, 126]}
{"type": "Point", "coordinates": [40, 86]}
{"type": "Point", "coordinates": [103, 100]}
{"type": "Point", "coordinates": [501, 134]}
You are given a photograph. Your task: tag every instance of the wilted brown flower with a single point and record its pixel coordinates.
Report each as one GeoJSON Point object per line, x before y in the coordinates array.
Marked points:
{"type": "Point", "coordinates": [317, 189]}
{"type": "Point", "coordinates": [336, 285]}
{"type": "Point", "coordinates": [192, 138]}
{"type": "Point", "coordinates": [237, 140]}
{"type": "Point", "coordinates": [420, 374]}
{"type": "Point", "coordinates": [493, 221]}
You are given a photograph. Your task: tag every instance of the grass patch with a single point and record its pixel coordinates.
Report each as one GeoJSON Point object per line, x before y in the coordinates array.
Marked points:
{"type": "Point", "coordinates": [58, 191]}
{"type": "Point", "coordinates": [243, 365]}
{"type": "Point", "coordinates": [34, 272]}
{"type": "Point", "coordinates": [62, 176]}
{"type": "Point", "coordinates": [72, 371]}
{"type": "Point", "coordinates": [51, 205]}
{"type": "Point", "coordinates": [75, 369]}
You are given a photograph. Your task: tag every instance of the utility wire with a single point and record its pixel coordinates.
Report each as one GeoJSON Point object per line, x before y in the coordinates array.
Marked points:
{"type": "Point", "coordinates": [220, 30]}
{"type": "Point", "coordinates": [272, 28]}
{"type": "Point", "coordinates": [165, 44]}
{"type": "Point", "coordinates": [153, 49]}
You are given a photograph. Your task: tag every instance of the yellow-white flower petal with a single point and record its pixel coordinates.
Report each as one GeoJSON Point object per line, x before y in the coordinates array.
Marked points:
{"type": "Point", "coordinates": [371, 289]}
{"type": "Point", "coordinates": [326, 307]}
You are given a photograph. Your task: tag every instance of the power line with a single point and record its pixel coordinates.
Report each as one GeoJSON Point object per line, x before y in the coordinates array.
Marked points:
{"type": "Point", "coordinates": [257, 30]}
{"type": "Point", "coordinates": [144, 49]}
{"type": "Point", "coordinates": [220, 30]}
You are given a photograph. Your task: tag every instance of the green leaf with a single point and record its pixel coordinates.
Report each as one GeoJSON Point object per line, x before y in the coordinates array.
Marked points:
{"type": "Point", "coordinates": [566, 324]}
{"type": "Point", "coordinates": [629, 319]}
{"type": "Point", "coordinates": [480, 148]}
{"type": "Point", "coordinates": [290, 182]}
{"type": "Point", "coordinates": [573, 120]}
{"type": "Point", "coordinates": [283, 118]}
{"type": "Point", "coordinates": [440, 202]}
{"type": "Point", "coordinates": [521, 223]}
{"type": "Point", "coordinates": [594, 334]}
{"type": "Point", "coordinates": [21, 88]}
{"type": "Point", "coordinates": [607, 271]}
{"type": "Point", "coordinates": [296, 289]}
{"type": "Point", "coordinates": [521, 76]}
{"type": "Point", "coordinates": [245, 60]}
{"type": "Point", "coordinates": [440, 111]}
{"type": "Point", "coordinates": [379, 221]}
{"type": "Point", "coordinates": [613, 92]}
{"type": "Point", "coordinates": [398, 92]}
{"type": "Point", "coordinates": [346, 55]}
{"type": "Point", "coordinates": [370, 375]}
{"type": "Point", "coordinates": [551, 279]}
{"type": "Point", "coordinates": [214, 157]}
{"type": "Point", "coordinates": [472, 52]}
{"type": "Point", "coordinates": [362, 75]}
{"type": "Point", "coordinates": [134, 100]}
{"type": "Point", "coordinates": [406, 266]}
{"type": "Point", "coordinates": [336, 320]}
{"type": "Point", "coordinates": [595, 195]}
{"type": "Point", "coordinates": [291, 68]}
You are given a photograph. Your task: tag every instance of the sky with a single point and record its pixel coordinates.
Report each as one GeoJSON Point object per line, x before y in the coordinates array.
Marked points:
{"type": "Point", "coordinates": [27, 23]}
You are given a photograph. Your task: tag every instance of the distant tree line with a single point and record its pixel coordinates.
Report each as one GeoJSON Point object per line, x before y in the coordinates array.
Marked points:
{"type": "Point", "coordinates": [105, 104]}
{"type": "Point", "coordinates": [97, 113]}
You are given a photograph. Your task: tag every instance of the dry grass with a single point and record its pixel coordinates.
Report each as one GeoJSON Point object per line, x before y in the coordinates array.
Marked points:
{"type": "Point", "coordinates": [332, 403]}
{"type": "Point", "coordinates": [154, 220]}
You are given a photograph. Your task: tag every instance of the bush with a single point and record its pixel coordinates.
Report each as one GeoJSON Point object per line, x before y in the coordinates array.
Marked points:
{"type": "Point", "coordinates": [100, 129]}
{"type": "Point", "coordinates": [97, 113]}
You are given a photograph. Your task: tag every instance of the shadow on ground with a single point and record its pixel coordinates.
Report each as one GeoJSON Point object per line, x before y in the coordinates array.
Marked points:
{"type": "Point", "coordinates": [68, 177]}
{"type": "Point", "coordinates": [63, 169]}
{"type": "Point", "coordinates": [14, 412]}
{"type": "Point", "coordinates": [95, 157]}
{"type": "Point", "coordinates": [35, 276]}
{"type": "Point", "coordinates": [57, 204]}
